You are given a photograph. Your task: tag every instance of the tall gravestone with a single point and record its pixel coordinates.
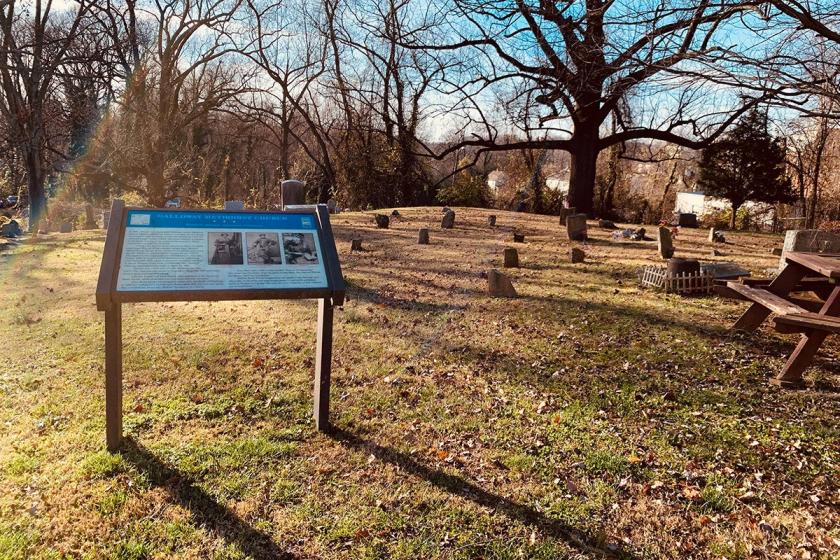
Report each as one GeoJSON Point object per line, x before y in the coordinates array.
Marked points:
{"type": "Point", "coordinates": [292, 192]}
{"type": "Point", "coordinates": [511, 258]}
{"type": "Point", "coordinates": [423, 236]}
{"type": "Point", "coordinates": [809, 241]}
{"type": "Point", "coordinates": [664, 243]}
{"type": "Point", "coordinates": [576, 227]}
{"type": "Point", "coordinates": [448, 221]}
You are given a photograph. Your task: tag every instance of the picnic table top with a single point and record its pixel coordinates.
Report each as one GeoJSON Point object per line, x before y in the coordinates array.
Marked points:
{"type": "Point", "coordinates": [824, 264]}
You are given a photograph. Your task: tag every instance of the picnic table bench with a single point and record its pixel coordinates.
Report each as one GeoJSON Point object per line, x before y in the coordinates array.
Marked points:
{"type": "Point", "coordinates": [815, 320]}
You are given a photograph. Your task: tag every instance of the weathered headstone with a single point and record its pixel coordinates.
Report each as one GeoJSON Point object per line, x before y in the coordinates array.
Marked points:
{"type": "Point", "coordinates": [511, 258]}
{"type": "Point", "coordinates": [90, 220]}
{"type": "Point", "coordinates": [423, 236]}
{"type": "Point", "coordinates": [712, 232]}
{"type": "Point", "coordinates": [44, 227]}
{"type": "Point", "coordinates": [491, 220]}
{"type": "Point", "coordinates": [518, 237]}
{"type": "Point", "coordinates": [664, 243]}
{"type": "Point", "coordinates": [607, 224]}
{"type": "Point", "coordinates": [292, 192]}
{"type": "Point", "coordinates": [576, 227]}
{"type": "Point", "coordinates": [810, 241]}
{"type": "Point", "coordinates": [332, 206]}
{"type": "Point", "coordinates": [106, 218]}
{"type": "Point", "coordinates": [565, 213]}
{"type": "Point", "coordinates": [11, 229]}
{"type": "Point", "coordinates": [448, 221]}
{"type": "Point", "coordinates": [726, 270]}
{"type": "Point", "coordinates": [396, 214]}
{"type": "Point", "coordinates": [65, 227]}
{"type": "Point", "coordinates": [234, 205]}
{"type": "Point", "coordinates": [356, 245]}
{"type": "Point", "coordinates": [577, 255]}
{"type": "Point", "coordinates": [499, 285]}
{"type": "Point", "coordinates": [382, 221]}
{"type": "Point", "coordinates": [776, 251]}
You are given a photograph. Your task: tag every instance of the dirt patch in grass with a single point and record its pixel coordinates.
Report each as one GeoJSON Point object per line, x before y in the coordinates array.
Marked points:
{"type": "Point", "coordinates": [586, 418]}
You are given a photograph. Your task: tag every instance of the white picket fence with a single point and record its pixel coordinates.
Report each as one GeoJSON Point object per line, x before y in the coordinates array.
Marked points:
{"type": "Point", "coordinates": [657, 277]}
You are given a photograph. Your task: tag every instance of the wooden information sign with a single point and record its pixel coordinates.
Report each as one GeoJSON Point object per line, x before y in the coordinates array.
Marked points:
{"type": "Point", "coordinates": [213, 255]}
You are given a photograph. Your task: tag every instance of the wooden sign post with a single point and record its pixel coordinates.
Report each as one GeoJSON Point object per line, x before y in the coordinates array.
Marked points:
{"type": "Point", "coordinates": [214, 255]}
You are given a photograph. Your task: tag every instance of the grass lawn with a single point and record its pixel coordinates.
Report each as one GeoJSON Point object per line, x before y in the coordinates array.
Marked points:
{"type": "Point", "coordinates": [586, 418]}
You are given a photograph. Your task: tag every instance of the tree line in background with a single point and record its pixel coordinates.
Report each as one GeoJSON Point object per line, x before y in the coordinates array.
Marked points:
{"type": "Point", "coordinates": [406, 102]}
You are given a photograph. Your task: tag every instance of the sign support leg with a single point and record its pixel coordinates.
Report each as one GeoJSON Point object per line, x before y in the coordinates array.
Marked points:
{"type": "Point", "coordinates": [113, 376]}
{"type": "Point", "coordinates": [323, 362]}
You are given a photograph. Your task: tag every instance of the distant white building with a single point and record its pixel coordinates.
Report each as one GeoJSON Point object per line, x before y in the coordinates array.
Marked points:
{"type": "Point", "coordinates": [695, 202]}
{"type": "Point", "coordinates": [559, 183]}
{"type": "Point", "coordinates": [496, 180]}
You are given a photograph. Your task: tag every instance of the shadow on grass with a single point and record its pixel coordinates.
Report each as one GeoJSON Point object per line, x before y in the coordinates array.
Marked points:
{"type": "Point", "coordinates": [205, 509]}
{"type": "Point", "coordinates": [458, 486]}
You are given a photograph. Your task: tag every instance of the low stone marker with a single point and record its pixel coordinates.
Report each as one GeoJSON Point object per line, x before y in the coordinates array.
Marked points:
{"type": "Point", "coordinates": [685, 219]}
{"type": "Point", "coordinates": [518, 237]}
{"type": "Point", "coordinates": [809, 241]}
{"type": "Point", "coordinates": [499, 285]}
{"type": "Point", "coordinates": [576, 227]}
{"type": "Point", "coordinates": [448, 221]}
{"type": "Point", "coordinates": [664, 243]}
{"type": "Point", "coordinates": [396, 214]}
{"type": "Point", "coordinates": [356, 245]}
{"type": "Point", "coordinates": [776, 251]}
{"type": "Point", "coordinates": [423, 236]}
{"type": "Point", "coordinates": [491, 220]}
{"type": "Point", "coordinates": [234, 205]}
{"type": "Point", "coordinates": [65, 227]}
{"type": "Point", "coordinates": [577, 255]}
{"type": "Point", "coordinates": [332, 206]}
{"type": "Point", "coordinates": [511, 258]}
{"type": "Point", "coordinates": [382, 221]}
{"type": "Point", "coordinates": [45, 227]}
{"type": "Point", "coordinates": [607, 224]}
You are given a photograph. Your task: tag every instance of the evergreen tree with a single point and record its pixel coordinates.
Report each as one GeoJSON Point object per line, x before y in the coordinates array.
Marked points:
{"type": "Point", "coordinates": [748, 163]}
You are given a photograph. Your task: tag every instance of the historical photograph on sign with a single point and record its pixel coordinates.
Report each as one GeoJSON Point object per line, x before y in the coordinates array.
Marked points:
{"type": "Point", "coordinates": [263, 248]}
{"type": "Point", "coordinates": [300, 248]}
{"type": "Point", "coordinates": [224, 248]}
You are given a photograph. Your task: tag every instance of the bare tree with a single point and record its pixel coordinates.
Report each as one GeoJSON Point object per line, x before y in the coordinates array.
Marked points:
{"type": "Point", "coordinates": [35, 45]}
{"type": "Point", "coordinates": [578, 61]}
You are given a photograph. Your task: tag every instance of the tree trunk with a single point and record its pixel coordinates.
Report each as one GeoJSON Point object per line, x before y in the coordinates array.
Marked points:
{"type": "Point", "coordinates": [35, 182]}
{"type": "Point", "coordinates": [735, 208]}
{"type": "Point", "coordinates": [584, 157]}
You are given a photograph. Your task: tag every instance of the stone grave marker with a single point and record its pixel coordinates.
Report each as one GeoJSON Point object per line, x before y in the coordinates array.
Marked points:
{"type": "Point", "coordinates": [565, 213]}
{"type": "Point", "coordinates": [423, 236]}
{"type": "Point", "coordinates": [499, 285]}
{"type": "Point", "coordinates": [511, 258]}
{"type": "Point", "coordinates": [234, 205]}
{"type": "Point", "coordinates": [664, 243]}
{"type": "Point", "coordinates": [518, 237]}
{"type": "Point", "coordinates": [576, 227]}
{"type": "Point", "coordinates": [809, 241]}
{"type": "Point", "coordinates": [607, 224]}
{"type": "Point", "coordinates": [106, 218]}
{"type": "Point", "coordinates": [65, 227]}
{"type": "Point", "coordinates": [332, 206]}
{"type": "Point", "coordinates": [448, 221]}
{"type": "Point", "coordinates": [356, 245]}
{"type": "Point", "coordinates": [577, 255]}
{"type": "Point", "coordinates": [292, 192]}
{"type": "Point", "coordinates": [491, 220]}
{"type": "Point", "coordinates": [382, 221]}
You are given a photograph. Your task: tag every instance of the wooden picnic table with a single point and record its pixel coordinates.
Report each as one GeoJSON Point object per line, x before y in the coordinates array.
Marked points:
{"type": "Point", "coordinates": [815, 320]}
